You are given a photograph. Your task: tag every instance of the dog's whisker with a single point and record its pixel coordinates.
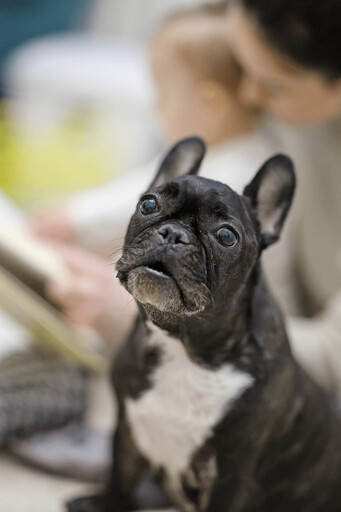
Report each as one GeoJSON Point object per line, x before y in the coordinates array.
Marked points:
{"type": "Point", "coordinates": [209, 293]}
{"type": "Point", "coordinates": [119, 251]}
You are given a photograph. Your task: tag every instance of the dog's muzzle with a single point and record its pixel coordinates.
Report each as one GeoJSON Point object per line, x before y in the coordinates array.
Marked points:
{"type": "Point", "coordinates": [166, 268]}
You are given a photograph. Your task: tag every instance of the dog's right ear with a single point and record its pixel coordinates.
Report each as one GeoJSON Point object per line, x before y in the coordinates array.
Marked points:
{"type": "Point", "coordinates": [183, 158]}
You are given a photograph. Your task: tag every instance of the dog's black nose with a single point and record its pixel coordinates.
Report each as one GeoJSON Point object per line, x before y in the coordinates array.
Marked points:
{"type": "Point", "coordinates": [173, 234]}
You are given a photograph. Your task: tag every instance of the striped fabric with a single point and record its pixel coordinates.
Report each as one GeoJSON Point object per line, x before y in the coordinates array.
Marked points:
{"type": "Point", "coordinates": [38, 391]}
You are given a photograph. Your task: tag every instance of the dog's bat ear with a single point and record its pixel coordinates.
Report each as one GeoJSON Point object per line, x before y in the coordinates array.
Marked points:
{"type": "Point", "coordinates": [271, 192]}
{"type": "Point", "coordinates": [183, 158]}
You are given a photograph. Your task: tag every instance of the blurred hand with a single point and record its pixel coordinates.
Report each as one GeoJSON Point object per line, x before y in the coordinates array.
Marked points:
{"type": "Point", "coordinates": [52, 223]}
{"type": "Point", "coordinates": [95, 299]}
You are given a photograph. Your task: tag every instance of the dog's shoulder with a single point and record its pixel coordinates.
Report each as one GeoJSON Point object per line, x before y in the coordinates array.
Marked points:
{"type": "Point", "coordinates": [134, 363]}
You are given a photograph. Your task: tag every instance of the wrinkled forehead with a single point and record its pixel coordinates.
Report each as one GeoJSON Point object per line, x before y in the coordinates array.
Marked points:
{"type": "Point", "coordinates": [202, 196]}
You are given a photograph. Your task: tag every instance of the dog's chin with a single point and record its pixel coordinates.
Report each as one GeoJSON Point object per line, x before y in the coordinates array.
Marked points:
{"type": "Point", "coordinates": [156, 288]}
{"type": "Point", "coordinates": [153, 287]}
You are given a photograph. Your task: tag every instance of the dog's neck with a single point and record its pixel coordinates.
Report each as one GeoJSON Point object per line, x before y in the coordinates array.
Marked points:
{"type": "Point", "coordinates": [220, 334]}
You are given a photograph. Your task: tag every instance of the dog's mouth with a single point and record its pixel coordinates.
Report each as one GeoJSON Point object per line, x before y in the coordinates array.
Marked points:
{"type": "Point", "coordinates": [154, 283]}
{"type": "Point", "coordinates": [159, 269]}
{"type": "Point", "coordinates": [168, 281]}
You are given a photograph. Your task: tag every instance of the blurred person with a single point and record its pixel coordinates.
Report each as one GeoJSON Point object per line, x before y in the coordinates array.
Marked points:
{"type": "Point", "coordinates": [196, 81]}
{"type": "Point", "coordinates": [290, 55]}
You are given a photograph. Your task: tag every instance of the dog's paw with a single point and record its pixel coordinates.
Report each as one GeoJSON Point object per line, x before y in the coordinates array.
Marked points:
{"type": "Point", "coordinates": [86, 504]}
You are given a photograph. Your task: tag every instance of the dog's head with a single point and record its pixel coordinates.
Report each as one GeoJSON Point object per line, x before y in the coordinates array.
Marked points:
{"type": "Point", "coordinates": [193, 242]}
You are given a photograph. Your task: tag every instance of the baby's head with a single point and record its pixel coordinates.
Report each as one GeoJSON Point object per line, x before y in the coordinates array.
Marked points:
{"type": "Point", "coordinates": [197, 78]}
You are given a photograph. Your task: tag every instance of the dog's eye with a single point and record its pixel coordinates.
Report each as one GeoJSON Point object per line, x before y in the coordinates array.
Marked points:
{"type": "Point", "coordinates": [149, 206]}
{"type": "Point", "coordinates": [227, 237]}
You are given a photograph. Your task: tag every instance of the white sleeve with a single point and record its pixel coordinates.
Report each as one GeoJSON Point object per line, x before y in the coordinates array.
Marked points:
{"type": "Point", "coordinates": [316, 344]}
{"type": "Point", "coordinates": [100, 216]}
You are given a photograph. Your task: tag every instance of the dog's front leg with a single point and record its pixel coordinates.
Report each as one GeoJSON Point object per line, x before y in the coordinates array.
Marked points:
{"type": "Point", "coordinates": [235, 491]}
{"type": "Point", "coordinates": [128, 467]}
{"type": "Point", "coordinates": [225, 498]}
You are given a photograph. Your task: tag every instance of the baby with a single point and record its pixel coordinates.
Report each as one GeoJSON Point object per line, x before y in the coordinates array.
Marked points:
{"type": "Point", "coordinates": [196, 81]}
{"type": "Point", "coordinates": [196, 78]}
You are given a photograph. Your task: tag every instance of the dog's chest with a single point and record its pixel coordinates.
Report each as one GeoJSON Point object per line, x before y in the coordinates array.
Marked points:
{"type": "Point", "coordinates": [175, 416]}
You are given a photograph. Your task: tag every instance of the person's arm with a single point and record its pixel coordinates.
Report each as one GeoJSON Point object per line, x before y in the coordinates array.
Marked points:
{"type": "Point", "coordinates": [315, 341]}
{"type": "Point", "coordinates": [316, 344]}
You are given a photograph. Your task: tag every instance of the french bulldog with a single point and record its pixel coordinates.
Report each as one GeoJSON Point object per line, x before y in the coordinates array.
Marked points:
{"type": "Point", "coordinates": [211, 401]}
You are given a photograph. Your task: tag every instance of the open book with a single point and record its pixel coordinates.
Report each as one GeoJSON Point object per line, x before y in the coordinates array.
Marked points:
{"type": "Point", "coordinates": [26, 266]}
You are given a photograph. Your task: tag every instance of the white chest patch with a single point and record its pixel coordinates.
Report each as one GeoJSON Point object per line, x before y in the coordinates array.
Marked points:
{"type": "Point", "coordinates": [176, 415]}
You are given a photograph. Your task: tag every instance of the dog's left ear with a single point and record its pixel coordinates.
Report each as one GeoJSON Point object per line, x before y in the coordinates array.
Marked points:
{"type": "Point", "coordinates": [183, 158]}
{"type": "Point", "coordinates": [271, 192]}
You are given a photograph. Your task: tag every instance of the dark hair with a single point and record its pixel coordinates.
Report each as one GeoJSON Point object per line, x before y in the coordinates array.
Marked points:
{"type": "Point", "coordinates": [306, 31]}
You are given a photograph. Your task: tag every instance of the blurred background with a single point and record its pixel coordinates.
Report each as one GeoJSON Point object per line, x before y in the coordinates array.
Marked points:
{"type": "Point", "coordinates": [75, 93]}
